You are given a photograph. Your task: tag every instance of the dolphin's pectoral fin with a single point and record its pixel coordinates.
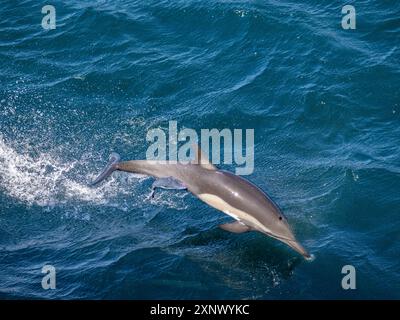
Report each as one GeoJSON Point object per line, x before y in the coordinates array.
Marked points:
{"type": "Point", "coordinates": [236, 227]}
{"type": "Point", "coordinates": [167, 183]}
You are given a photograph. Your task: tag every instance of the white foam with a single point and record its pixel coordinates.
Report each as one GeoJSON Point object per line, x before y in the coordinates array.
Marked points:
{"type": "Point", "coordinates": [43, 180]}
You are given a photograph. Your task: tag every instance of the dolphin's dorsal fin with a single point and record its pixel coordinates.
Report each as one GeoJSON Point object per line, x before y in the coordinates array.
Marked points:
{"type": "Point", "coordinates": [202, 159]}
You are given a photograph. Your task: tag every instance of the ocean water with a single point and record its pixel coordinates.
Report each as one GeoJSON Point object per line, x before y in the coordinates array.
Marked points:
{"type": "Point", "coordinates": [324, 103]}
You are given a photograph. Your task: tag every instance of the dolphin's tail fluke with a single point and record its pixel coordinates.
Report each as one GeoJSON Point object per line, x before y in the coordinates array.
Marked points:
{"type": "Point", "coordinates": [109, 168]}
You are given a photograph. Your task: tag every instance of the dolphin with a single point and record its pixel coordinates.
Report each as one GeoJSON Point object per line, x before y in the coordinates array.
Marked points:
{"type": "Point", "coordinates": [252, 209]}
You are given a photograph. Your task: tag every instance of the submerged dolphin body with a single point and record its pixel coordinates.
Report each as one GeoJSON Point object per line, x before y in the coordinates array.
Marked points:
{"type": "Point", "coordinates": [252, 209]}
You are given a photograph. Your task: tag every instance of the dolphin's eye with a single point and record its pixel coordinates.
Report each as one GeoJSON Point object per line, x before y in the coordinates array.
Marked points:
{"type": "Point", "coordinates": [280, 217]}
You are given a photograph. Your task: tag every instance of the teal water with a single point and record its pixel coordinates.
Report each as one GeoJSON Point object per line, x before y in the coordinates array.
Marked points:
{"type": "Point", "coordinates": [324, 104]}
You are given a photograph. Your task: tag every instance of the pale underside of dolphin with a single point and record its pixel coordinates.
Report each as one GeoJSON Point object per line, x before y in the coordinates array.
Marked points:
{"type": "Point", "coordinates": [251, 208]}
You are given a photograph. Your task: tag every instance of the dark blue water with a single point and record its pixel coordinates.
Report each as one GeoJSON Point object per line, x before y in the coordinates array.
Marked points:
{"type": "Point", "coordinates": [324, 103]}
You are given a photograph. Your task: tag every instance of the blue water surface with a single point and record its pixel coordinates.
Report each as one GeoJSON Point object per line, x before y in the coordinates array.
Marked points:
{"type": "Point", "coordinates": [324, 103]}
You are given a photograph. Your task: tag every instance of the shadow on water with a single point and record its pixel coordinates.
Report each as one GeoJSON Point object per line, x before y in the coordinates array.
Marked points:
{"type": "Point", "coordinates": [244, 266]}
{"type": "Point", "coordinates": [210, 264]}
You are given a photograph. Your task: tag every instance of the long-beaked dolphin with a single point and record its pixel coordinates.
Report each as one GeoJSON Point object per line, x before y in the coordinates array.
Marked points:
{"type": "Point", "coordinates": [252, 209]}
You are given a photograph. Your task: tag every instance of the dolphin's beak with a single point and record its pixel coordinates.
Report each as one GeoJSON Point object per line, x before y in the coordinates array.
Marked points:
{"type": "Point", "coordinates": [294, 244]}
